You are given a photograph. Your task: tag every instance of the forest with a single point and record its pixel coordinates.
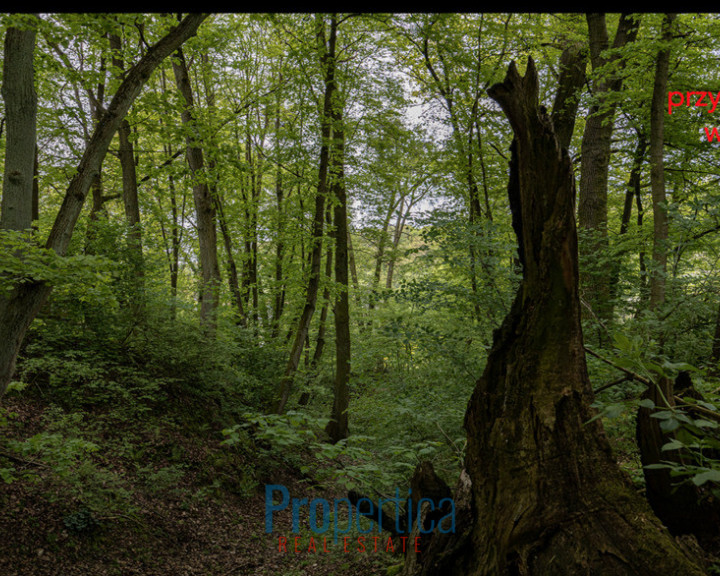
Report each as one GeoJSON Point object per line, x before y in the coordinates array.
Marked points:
{"type": "Point", "coordinates": [389, 294]}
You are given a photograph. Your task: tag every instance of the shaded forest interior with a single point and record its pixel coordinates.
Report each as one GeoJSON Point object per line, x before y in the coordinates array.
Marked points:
{"type": "Point", "coordinates": [457, 257]}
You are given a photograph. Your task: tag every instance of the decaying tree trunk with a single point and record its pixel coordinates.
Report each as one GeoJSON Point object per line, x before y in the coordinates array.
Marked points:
{"type": "Point", "coordinates": [683, 507]}
{"type": "Point", "coordinates": [436, 553]}
{"type": "Point", "coordinates": [547, 495]}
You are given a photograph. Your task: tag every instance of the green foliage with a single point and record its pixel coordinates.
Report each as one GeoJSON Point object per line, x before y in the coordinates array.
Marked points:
{"type": "Point", "coordinates": [299, 439]}
{"type": "Point", "coordinates": [130, 378]}
{"type": "Point", "coordinates": [65, 464]}
{"type": "Point", "coordinates": [25, 261]}
{"type": "Point", "coordinates": [695, 435]}
{"type": "Point", "coordinates": [696, 439]}
{"type": "Point", "coordinates": [80, 521]}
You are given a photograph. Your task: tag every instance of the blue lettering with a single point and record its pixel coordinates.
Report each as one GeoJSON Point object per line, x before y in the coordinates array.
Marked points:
{"type": "Point", "coordinates": [270, 507]}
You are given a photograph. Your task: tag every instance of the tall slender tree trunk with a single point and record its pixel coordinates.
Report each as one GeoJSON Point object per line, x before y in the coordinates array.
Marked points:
{"type": "Point", "coordinates": [254, 185]}
{"type": "Point", "coordinates": [327, 59]}
{"type": "Point", "coordinates": [131, 203]}
{"type": "Point", "coordinates": [280, 199]}
{"type": "Point", "coordinates": [20, 307]}
{"type": "Point", "coordinates": [178, 217]}
{"type": "Point", "coordinates": [595, 163]}
{"type": "Point", "coordinates": [632, 191]}
{"type": "Point", "coordinates": [657, 169]}
{"type": "Point", "coordinates": [233, 278]}
{"type": "Point", "coordinates": [402, 217]}
{"type": "Point", "coordinates": [205, 212]}
{"type": "Point", "coordinates": [322, 324]}
{"type": "Point", "coordinates": [380, 256]}
{"type": "Point", "coordinates": [337, 428]}
{"type": "Point", "coordinates": [547, 494]}
{"type": "Point", "coordinates": [279, 301]}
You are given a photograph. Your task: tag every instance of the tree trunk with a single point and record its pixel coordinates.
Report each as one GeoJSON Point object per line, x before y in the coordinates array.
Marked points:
{"type": "Point", "coordinates": [131, 204]}
{"type": "Point", "coordinates": [252, 197]}
{"type": "Point", "coordinates": [21, 306]}
{"type": "Point", "coordinates": [632, 191]}
{"type": "Point", "coordinates": [233, 279]}
{"type": "Point", "coordinates": [130, 190]}
{"type": "Point", "coordinates": [643, 288]}
{"type": "Point", "coordinates": [18, 92]}
{"type": "Point", "coordinates": [573, 62]}
{"type": "Point", "coordinates": [380, 255]}
{"type": "Point", "coordinates": [548, 496]}
{"type": "Point", "coordinates": [595, 154]}
{"type": "Point", "coordinates": [320, 342]}
{"type": "Point", "coordinates": [322, 321]}
{"type": "Point", "coordinates": [327, 59]}
{"type": "Point", "coordinates": [279, 301]}
{"type": "Point", "coordinates": [397, 235]}
{"type": "Point", "coordinates": [337, 428]}
{"type": "Point", "coordinates": [657, 169]}
{"type": "Point", "coordinates": [683, 507]}
{"type": "Point", "coordinates": [204, 204]}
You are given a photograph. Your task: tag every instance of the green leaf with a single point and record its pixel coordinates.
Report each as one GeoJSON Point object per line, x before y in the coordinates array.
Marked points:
{"type": "Point", "coordinates": [622, 342]}
{"type": "Point", "coordinates": [669, 425]}
{"type": "Point", "coordinates": [706, 476]}
{"type": "Point", "coordinates": [672, 445]}
{"type": "Point", "coordinates": [658, 467]}
{"type": "Point", "coordinates": [705, 424]}
{"type": "Point", "coordinates": [614, 410]}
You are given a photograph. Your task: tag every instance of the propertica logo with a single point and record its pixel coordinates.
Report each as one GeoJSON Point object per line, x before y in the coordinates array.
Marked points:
{"type": "Point", "coordinates": [323, 518]}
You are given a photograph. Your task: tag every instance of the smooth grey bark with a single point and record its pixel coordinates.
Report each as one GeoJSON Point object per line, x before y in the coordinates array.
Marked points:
{"type": "Point", "coordinates": [18, 92]}
{"type": "Point", "coordinates": [20, 307]}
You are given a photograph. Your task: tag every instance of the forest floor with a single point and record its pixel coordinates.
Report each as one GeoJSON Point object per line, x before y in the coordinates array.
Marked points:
{"type": "Point", "coordinates": [197, 522]}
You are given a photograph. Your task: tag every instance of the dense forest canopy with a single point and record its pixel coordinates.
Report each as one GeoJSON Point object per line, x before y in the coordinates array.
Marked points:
{"type": "Point", "coordinates": [238, 247]}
